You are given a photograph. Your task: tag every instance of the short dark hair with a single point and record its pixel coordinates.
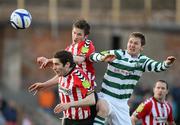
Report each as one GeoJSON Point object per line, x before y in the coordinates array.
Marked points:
{"type": "Point", "coordinates": [82, 24]}
{"type": "Point", "coordinates": [139, 35]}
{"type": "Point", "coordinates": [64, 57]}
{"type": "Point", "coordinates": [163, 81]}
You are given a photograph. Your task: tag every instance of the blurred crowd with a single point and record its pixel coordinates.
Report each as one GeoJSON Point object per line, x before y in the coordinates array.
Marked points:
{"type": "Point", "coordinates": [13, 114]}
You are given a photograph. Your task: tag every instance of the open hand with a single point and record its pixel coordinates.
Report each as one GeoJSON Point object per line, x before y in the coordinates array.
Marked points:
{"type": "Point", "coordinates": [108, 58]}
{"type": "Point", "coordinates": [44, 62]}
{"type": "Point", "coordinates": [61, 107]}
{"type": "Point", "coordinates": [35, 87]}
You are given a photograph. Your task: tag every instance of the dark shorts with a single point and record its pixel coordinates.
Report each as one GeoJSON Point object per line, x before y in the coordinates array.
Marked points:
{"type": "Point", "coordinates": [87, 121]}
{"type": "Point", "coordinates": [93, 111]}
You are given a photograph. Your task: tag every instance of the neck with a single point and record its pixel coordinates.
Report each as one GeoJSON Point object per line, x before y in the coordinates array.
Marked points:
{"type": "Point", "coordinates": [69, 70]}
{"type": "Point", "coordinates": [161, 100]}
{"type": "Point", "coordinates": [133, 55]}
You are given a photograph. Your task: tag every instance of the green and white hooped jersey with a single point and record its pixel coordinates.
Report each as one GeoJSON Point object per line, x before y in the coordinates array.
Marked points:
{"type": "Point", "coordinates": [124, 72]}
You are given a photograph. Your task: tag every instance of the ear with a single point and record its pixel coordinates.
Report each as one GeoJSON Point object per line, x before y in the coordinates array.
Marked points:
{"type": "Point", "coordinates": [86, 36]}
{"type": "Point", "coordinates": [67, 65]}
{"type": "Point", "coordinates": [167, 92]}
{"type": "Point", "coordinates": [142, 48]}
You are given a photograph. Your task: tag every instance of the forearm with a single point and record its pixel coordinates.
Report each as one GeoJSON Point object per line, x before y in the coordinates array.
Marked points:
{"type": "Point", "coordinates": [89, 100]}
{"type": "Point", "coordinates": [78, 59]}
{"type": "Point", "coordinates": [155, 66]}
{"type": "Point", "coordinates": [51, 82]}
{"type": "Point", "coordinates": [96, 57]}
{"type": "Point", "coordinates": [133, 120]}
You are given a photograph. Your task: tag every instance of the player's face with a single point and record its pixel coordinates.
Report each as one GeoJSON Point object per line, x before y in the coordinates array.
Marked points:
{"type": "Point", "coordinates": [58, 67]}
{"type": "Point", "coordinates": [134, 46]}
{"type": "Point", "coordinates": [77, 35]}
{"type": "Point", "coordinates": [160, 91]}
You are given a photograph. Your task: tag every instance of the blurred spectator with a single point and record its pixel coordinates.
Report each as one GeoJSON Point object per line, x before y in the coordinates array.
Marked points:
{"type": "Point", "coordinates": [173, 103]}
{"type": "Point", "coordinates": [10, 113]}
{"type": "Point", "coordinates": [176, 94]}
{"type": "Point", "coordinates": [46, 100]}
{"type": "Point", "coordinates": [2, 119]}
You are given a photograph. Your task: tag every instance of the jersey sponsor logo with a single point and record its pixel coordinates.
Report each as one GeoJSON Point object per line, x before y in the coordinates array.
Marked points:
{"type": "Point", "coordinates": [160, 119]}
{"type": "Point", "coordinates": [65, 90]}
{"type": "Point", "coordinates": [124, 72]}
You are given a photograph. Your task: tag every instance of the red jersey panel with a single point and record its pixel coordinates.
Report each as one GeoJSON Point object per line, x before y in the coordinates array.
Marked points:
{"type": "Point", "coordinates": [153, 112]}
{"type": "Point", "coordinates": [84, 48]}
{"type": "Point", "coordinates": [74, 87]}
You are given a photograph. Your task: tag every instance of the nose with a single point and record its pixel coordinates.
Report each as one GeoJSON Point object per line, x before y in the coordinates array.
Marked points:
{"type": "Point", "coordinates": [132, 44]}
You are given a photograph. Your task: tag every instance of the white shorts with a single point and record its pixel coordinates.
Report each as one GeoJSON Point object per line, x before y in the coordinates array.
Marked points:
{"type": "Point", "coordinates": [119, 113]}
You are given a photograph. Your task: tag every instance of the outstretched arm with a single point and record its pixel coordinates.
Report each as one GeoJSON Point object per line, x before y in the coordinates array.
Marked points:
{"type": "Point", "coordinates": [43, 85]}
{"type": "Point", "coordinates": [44, 62]}
{"type": "Point", "coordinates": [89, 100]}
{"type": "Point", "coordinates": [48, 63]}
{"type": "Point", "coordinates": [156, 66]}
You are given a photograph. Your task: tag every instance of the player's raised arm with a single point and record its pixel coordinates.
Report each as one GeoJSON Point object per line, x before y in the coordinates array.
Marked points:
{"type": "Point", "coordinates": [44, 62]}
{"type": "Point", "coordinates": [157, 66]}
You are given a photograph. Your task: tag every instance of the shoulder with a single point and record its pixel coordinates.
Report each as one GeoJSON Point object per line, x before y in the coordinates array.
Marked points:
{"type": "Point", "coordinates": [145, 106]}
{"type": "Point", "coordinates": [142, 56]}
{"type": "Point", "coordinates": [86, 46]}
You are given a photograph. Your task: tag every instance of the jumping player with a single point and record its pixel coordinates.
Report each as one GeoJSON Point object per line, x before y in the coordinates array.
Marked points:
{"type": "Point", "coordinates": [73, 85]}
{"type": "Point", "coordinates": [122, 75]}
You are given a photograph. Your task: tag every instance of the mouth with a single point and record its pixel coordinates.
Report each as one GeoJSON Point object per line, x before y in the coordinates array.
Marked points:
{"type": "Point", "coordinates": [131, 49]}
{"type": "Point", "coordinates": [159, 94]}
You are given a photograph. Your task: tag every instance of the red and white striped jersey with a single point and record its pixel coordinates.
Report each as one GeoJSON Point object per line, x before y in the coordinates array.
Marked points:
{"type": "Point", "coordinates": [153, 112]}
{"type": "Point", "coordinates": [84, 48]}
{"type": "Point", "coordinates": [73, 87]}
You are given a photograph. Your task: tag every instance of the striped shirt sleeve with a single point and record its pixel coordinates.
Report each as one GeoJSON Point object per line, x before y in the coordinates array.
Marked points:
{"type": "Point", "coordinates": [151, 65]}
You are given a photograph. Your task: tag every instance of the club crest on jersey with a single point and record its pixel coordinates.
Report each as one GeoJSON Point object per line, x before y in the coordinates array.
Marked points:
{"type": "Point", "coordinates": [86, 84]}
{"type": "Point", "coordinates": [140, 107]}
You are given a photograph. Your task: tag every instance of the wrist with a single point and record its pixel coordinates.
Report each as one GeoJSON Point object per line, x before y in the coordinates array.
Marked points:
{"type": "Point", "coordinates": [166, 64]}
{"type": "Point", "coordinates": [70, 104]}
